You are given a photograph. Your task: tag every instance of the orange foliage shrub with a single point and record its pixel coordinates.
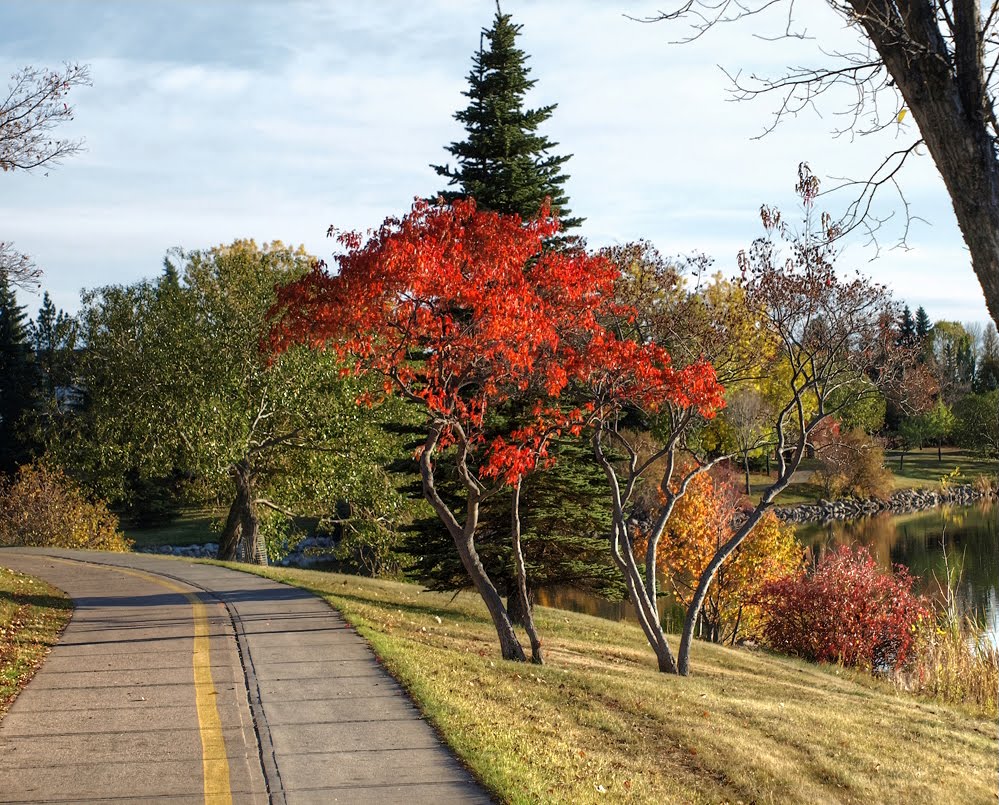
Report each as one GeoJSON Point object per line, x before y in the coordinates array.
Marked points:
{"type": "Point", "coordinates": [44, 507]}
{"type": "Point", "coordinates": [705, 518]}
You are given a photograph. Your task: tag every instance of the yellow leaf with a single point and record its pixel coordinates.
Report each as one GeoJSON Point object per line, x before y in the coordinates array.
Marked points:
{"type": "Point", "coordinates": [901, 114]}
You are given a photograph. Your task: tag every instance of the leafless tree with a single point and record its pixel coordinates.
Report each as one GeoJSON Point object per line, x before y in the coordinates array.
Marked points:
{"type": "Point", "coordinates": [33, 107]}
{"type": "Point", "coordinates": [938, 59]}
{"type": "Point", "coordinates": [749, 417]}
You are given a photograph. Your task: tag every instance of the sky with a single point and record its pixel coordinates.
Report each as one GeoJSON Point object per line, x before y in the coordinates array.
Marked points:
{"type": "Point", "coordinates": [211, 121]}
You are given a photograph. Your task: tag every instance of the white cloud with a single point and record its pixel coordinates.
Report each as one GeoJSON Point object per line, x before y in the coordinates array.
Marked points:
{"type": "Point", "coordinates": [204, 125]}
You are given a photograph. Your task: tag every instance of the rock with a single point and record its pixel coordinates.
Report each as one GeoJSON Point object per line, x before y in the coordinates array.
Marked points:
{"type": "Point", "coordinates": [900, 502]}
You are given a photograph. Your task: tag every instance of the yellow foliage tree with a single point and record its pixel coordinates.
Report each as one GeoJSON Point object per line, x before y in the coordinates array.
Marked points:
{"type": "Point", "coordinates": [44, 507]}
{"type": "Point", "coordinates": [705, 518]}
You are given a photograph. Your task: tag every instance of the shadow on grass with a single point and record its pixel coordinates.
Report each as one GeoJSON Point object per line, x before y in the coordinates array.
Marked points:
{"type": "Point", "coordinates": [32, 600]}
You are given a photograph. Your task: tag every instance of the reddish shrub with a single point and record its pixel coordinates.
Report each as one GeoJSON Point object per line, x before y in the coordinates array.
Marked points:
{"type": "Point", "coordinates": [847, 610]}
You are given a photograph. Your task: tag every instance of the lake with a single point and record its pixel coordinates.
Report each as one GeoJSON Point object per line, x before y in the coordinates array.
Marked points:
{"type": "Point", "coordinates": [967, 536]}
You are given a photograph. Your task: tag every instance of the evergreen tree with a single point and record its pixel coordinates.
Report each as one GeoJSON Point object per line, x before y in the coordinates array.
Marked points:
{"type": "Point", "coordinates": [52, 336]}
{"type": "Point", "coordinates": [17, 380]}
{"type": "Point", "coordinates": [923, 325]}
{"type": "Point", "coordinates": [907, 327]}
{"type": "Point", "coordinates": [504, 164]}
{"type": "Point", "coordinates": [565, 520]}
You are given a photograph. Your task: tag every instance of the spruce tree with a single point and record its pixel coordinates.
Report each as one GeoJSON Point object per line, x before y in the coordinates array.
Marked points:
{"type": "Point", "coordinates": [17, 380]}
{"type": "Point", "coordinates": [504, 163]}
{"type": "Point", "coordinates": [52, 335]}
{"type": "Point", "coordinates": [923, 325]}
{"type": "Point", "coordinates": [907, 328]}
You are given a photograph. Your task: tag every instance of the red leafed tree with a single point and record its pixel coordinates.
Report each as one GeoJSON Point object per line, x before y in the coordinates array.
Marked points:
{"type": "Point", "coordinates": [463, 312]}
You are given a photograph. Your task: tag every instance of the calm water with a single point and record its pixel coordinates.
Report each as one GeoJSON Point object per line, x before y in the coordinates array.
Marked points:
{"type": "Point", "coordinates": [968, 535]}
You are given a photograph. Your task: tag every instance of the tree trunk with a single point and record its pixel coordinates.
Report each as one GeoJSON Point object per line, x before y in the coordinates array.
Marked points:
{"type": "Point", "coordinates": [745, 464]}
{"type": "Point", "coordinates": [229, 541]}
{"type": "Point", "coordinates": [948, 98]}
{"type": "Point", "coordinates": [515, 609]}
{"type": "Point", "coordinates": [251, 538]}
{"type": "Point", "coordinates": [522, 596]}
{"type": "Point", "coordinates": [241, 539]}
{"type": "Point", "coordinates": [901, 458]}
{"type": "Point", "coordinates": [464, 542]}
{"type": "Point", "coordinates": [939, 453]}
{"type": "Point", "coordinates": [645, 608]}
{"type": "Point", "coordinates": [707, 577]}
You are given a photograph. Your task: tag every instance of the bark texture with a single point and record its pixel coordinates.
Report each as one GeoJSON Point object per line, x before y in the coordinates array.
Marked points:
{"type": "Point", "coordinates": [947, 95]}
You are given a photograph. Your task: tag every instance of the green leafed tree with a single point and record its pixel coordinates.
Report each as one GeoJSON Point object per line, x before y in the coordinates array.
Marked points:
{"type": "Point", "coordinates": [939, 424]}
{"type": "Point", "coordinates": [177, 384]}
{"type": "Point", "coordinates": [987, 372]}
{"type": "Point", "coordinates": [977, 423]}
{"type": "Point", "coordinates": [504, 163]}
{"type": "Point", "coordinates": [17, 380]}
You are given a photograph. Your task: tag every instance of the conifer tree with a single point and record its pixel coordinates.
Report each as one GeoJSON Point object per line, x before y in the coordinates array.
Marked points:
{"type": "Point", "coordinates": [923, 325]}
{"type": "Point", "coordinates": [504, 163]}
{"type": "Point", "coordinates": [52, 335]}
{"type": "Point", "coordinates": [907, 327]}
{"type": "Point", "coordinates": [17, 380]}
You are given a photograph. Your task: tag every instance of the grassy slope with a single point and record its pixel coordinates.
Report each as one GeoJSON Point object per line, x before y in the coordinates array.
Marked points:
{"type": "Point", "coordinates": [32, 615]}
{"type": "Point", "coordinates": [921, 468]}
{"type": "Point", "coordinates": [599, 724]}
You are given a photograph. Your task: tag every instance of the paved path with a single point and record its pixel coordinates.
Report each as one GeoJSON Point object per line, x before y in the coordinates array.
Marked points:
{"type": "Point", "coordinates": [177, 682]}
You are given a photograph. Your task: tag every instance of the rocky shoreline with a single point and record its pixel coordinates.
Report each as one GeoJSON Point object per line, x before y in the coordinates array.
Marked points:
{"type": "Point", "coordinates": [309, 552]}
{"type": "Point", "coordinates": [901, 502]}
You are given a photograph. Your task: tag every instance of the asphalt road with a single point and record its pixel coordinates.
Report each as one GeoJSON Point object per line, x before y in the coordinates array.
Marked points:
{"type": "Point", "coordinates": [178, 682]}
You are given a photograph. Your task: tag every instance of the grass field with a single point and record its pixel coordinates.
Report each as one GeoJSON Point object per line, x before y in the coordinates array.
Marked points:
{"type": "Point", "coordinates": [192, 527]}
{"type": "Point", "coordinates": [920, 468]}
{"type": "Point", "coordinates": [32, 616]}
{"type": "Point", "coordinates": [599, 724]}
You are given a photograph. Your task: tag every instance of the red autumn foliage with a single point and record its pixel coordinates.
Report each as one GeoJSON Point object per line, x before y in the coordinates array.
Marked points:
{"type": "Point", "coordinates": [847, 610]}
{"type": "Point", "coordinates": [463, 310]}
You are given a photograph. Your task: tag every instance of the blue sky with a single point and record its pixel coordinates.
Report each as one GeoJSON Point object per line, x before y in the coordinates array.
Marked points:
{"type": "Point", "coordinates": [210, 121]}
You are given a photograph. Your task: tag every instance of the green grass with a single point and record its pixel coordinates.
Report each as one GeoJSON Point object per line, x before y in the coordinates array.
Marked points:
{"type": "Point", "coordinates": [599, 724]}
{"type": "Point", "coordinates": [32, 616]}
{"type": "Point", "coordinates": [193, 527]}
{"type": "Point", "coordinates": [920, 468]}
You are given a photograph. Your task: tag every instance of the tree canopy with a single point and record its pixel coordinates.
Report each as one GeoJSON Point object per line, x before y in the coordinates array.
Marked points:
{"type": "Point", "coordinates": [176, 383]}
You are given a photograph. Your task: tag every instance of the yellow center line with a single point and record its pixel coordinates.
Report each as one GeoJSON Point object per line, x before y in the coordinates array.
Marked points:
{"type": "Point", "coordinates": [213, 755]}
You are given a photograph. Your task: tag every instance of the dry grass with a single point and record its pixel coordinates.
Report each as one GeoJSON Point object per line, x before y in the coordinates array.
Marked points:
{"type": "Point", "coordinates": [32, 616]}
{"type": "Point", "coordinates": [598, 724]}
{"type": "Point", "coordinates": [956, 663]}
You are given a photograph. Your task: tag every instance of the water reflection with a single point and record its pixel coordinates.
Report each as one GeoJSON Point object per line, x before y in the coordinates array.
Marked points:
{"type": "Point", "coordinates": [587, 603]}
{"type": "Point", "coordinates": [961, 538]}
